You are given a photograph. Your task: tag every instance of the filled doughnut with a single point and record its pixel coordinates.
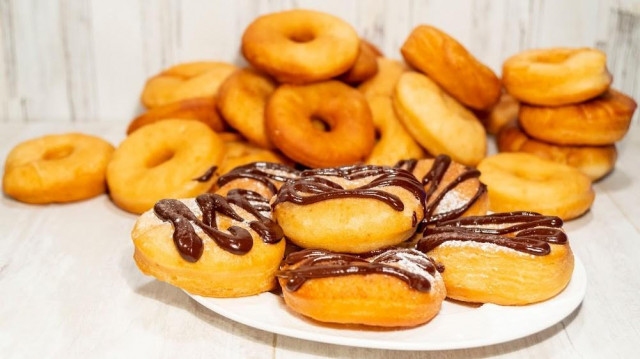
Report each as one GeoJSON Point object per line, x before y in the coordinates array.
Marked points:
{"type": "Point", "coordinates": [352, 209]}
{"type": "Point", "coordinates": [242, 99]}
{"type": "Point", "coordinates": [198, 109]}
{"type": "Point", "coordinates": [211, 245]}
{"type": "Point", "coordinates": [384, 81]}
{"type": "Point", "coordinates": [185, 81]}
{"type": "Point", "coordinates": [601, 121]}
{"type": "Point", "coordinates": [398, 288]}
{"type": "Point", "coordinates": [345, 135]}
{"type": "Point", "coordinates": [167, 159]}
{"type": "Point", "coordinates": [451, 66]}
{"type": "Point", "coordinates": [521, 181]}
{"type": "Point", "coordinates": [593, 161]}
{"type": "Point", "coordinates": [57, 168]}
{"type": "Point", "coordinates": [300, 46]}
{"type": "Point", "coordinates": [394, 142]}
{"type": "Point", "coordinates": [505, 112]}
{"type": "Point", "coordinates": [556, 76]}
{"type": "Point", "coordinates": [437, 121]}
{"type": "Point", "coordinates": [366, 65]}
{"type": "Point", "coordinates": [513, 258]}
{"type": "Point", "coordinates": [264, 178]}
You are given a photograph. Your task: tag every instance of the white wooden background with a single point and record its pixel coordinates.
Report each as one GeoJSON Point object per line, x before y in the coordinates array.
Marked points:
{"type": "Point", "coordinates": [87, 60]}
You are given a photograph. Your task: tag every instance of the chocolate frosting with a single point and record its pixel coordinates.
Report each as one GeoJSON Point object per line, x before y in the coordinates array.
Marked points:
{"type": "Point", "coordinates": [207, 175]}
{"type": "Point", "coordinates": [264, 172]}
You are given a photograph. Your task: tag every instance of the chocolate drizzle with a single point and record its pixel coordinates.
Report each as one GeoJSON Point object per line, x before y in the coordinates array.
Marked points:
{"type": "Point", "coordinates": [313, 186]}
{"type": "Point", "coordinates": [207, 175]}
{"type": "Point", "coordinates": [526, 232]}
{"type": "Point", "coordinates": [237, 241]}
{"type": "Point", "coordinates": [408, 265]}
{"type": "Point", "coordinates": [264, 172]}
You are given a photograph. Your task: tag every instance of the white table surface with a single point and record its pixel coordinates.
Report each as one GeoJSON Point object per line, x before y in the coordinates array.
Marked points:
{"type": "Point", "coordinates": [69, 287]}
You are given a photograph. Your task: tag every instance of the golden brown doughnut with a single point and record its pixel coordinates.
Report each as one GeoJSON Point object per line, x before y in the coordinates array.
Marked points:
{"type": "Point", "coordinates": [300, 46]}
{"type": "Point", "coordinates": [366, 65]}
{"type": "Point", "coordinates": [264, 178]}
{"type": "Point", "coordinates": [292, 110]}
{"type": "Point", "coordinates": [556, 76]}
{"type": "Point", "coordinates": [595, 162]}
{"type": "Point", "coordinates": [601, 121]}
{"type": "Point", "coordinates": [57, 168]}
{"type": "Point", "coordinates": [384, 81]}
{"type": "Point", "coordinates": [503, 113]}
{"type": "Point", "coordinates": [242, 99]}
{"type": "Point", "coordinates": [239, 152]}
{"type": "Point", "coordinates": [513, 258]}
{"type": "Point", "coordinates": [451, 66]}
{"type": "Point", "coordinates": [437, 121]}
{"type": "Point", "coordinates": [185, 81]}
{"type": "Point", "coordinates": [398, 288]}
{"type": "Point", "coordinates": [198, 109]}
{"type": "Point", "coordinates": [521, 181]}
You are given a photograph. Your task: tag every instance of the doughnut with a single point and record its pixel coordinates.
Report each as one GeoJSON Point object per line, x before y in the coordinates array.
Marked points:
{"type": "Point", "coordinates": [522, 181]}
{"type": "Point", "coordinates": [241, 101]}
{"type": "Point", "coordinates": [452, 67]}
{"type": "Point", "coordinates": [264, 178]}
{"type": "Point", "coordinates": [198, 109]}
{"type": "Point", "coordinates": [437, 121]}
{"type": "Point", "coordinates": [167, 159]}
{"type": "Point", "coordinates": [394, 142]}
{"type": "Point", "coordinates": [600, 121]}
{"type": "Point", "coordinates": [594, 162]}
{"type": "Point", "coordinates": [514, 258]}
{"type": "Point", "coordinates": [452, 190]}
{"type": "Point", "coordinates": [57, 169]}
{"type": "Point", "coordinates": [398, 288]}
{"type": "Point", "coordinates": [556, 76]}
{"type": "Point", "coordinates": [239, 152]}
{"type": "Point", "coordinates": [352, 209]}
{"type": "Point", "coordinates": [185, 81]}
{"type": "Point", "coordinates": [211, 245]}
{"type": "Point", "coordinates": [293, 111]}
{"type": "Point", "coordinates": [384, 81]}
{"type": "Point", "coordinates": [300, 46]}
{"type": "Point", "coordinates": [366, 64]}
{"type": "Point", "coordinates": [503, 113]}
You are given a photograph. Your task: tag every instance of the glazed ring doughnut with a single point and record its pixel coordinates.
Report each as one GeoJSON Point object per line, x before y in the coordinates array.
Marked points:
{"type": "Point", "coordinates": [57, 168]}
{"type": "Point", "coordinates": [521, 181]}
{"type": "Point", "coordinates": [352, 209]}
{"type": "Point", "coordinates": [242, 99]}
{"type": "Point", "coordinates": [366, 64]}
{"type": "Point", "coordinates": [300, 46]}
{"type": "Point", "coordinates": [595, 162]}
{"type": "Point", "coordinates": [394, 142]}
{"type": "Point", "coordinates": [556, 76]}
{"type": "Point", "coordinates": [292, 110]}
{"type": "Point", "coordinates": [168, 159]}
{"type": "Point", "coordinates": [264, 178]}
{"type": "Point", "coordinates": [384, 81]}
{"type": "Point", "coordinates": [513, 258]}
{"type": "Point", "coordinates": [601, 121]}
{"type": "Point", "coordinates": [198, 109]}
{"type": "Point", "coordinates": [505, 112]}
{"type": "Point", "coordinates": [211, 245]}
{"type": "Point", "coordinates": [437, 121]}
{"type": "Point", "coordinates": [185, 81]}
{"type": "Point", "coordinates": [451, 66]}
{"type": "Point", "coordinates": [398, 288]}
{"type": "Point", "coordinates": [452, 190]}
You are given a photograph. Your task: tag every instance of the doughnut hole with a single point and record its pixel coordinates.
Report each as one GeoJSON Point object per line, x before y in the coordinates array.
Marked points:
{"type": "Point", "coordinates": [160, 157]}
{"type": "Point", "coordinates": [320, 124]}
{"type": "Point", "coordinates": [57, 153]}
{"type": "Point", "coordinates": [302, 35]}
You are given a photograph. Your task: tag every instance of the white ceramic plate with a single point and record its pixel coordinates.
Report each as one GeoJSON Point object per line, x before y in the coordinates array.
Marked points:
{"type": "Point", "coordinates": [455, 327]}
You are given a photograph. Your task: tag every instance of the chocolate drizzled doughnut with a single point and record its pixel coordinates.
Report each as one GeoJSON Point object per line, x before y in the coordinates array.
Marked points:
{"type": "Point", "coordinates": [264, 172]}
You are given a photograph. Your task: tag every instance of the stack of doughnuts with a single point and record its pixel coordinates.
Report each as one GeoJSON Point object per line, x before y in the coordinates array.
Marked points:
{"type": "Point", "coordinates": [568, 112]}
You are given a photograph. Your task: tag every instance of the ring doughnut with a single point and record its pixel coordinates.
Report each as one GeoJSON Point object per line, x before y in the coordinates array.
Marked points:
{"type": "Point", "coordinates": [556, 76]}
{"type": "Point", "coordinates": [352, 209]}
{"type": "Point", "coordinates": [239, 152]}
{"type": "Point", "coordinates": [398, 288]}
{"type": "Point", "coordinates": [57, 168]}
{"type": "Point", "coordinates": [521, 181]}
{"type": "Point", "coordinates": [211, 245]}
{"type": "Point", "coordinates": [437, 121]}
{"type": "Point", "coordinates": [241, 101]}
{"type": "Point", "coordinates": [601, 121]}
{"type": "Point", "coordinates": [167, 159]}
{"type": "Point", "coordinates": [264, 178]}
{"type": "Point", "coordinates": [300, 46]}
{"type": "Point", "coordinates": [348, 138]}
{"type": "Point", "coordinates": [366, 64]}
{"type": "Point", "coordinates": [451, 66]}
{"type": "Point", "coordinates": [595, 162]}
{"type": "Point", "coordinates": [185, 81]}
{"type": "Point", "coordinates": [512, 258]}
{"type": "Point", "coordinates": [384, 81]}
{"type": "Point", "coordinates": [503, 113]}
{"type": "Point", "coordinates": [198, 109]}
